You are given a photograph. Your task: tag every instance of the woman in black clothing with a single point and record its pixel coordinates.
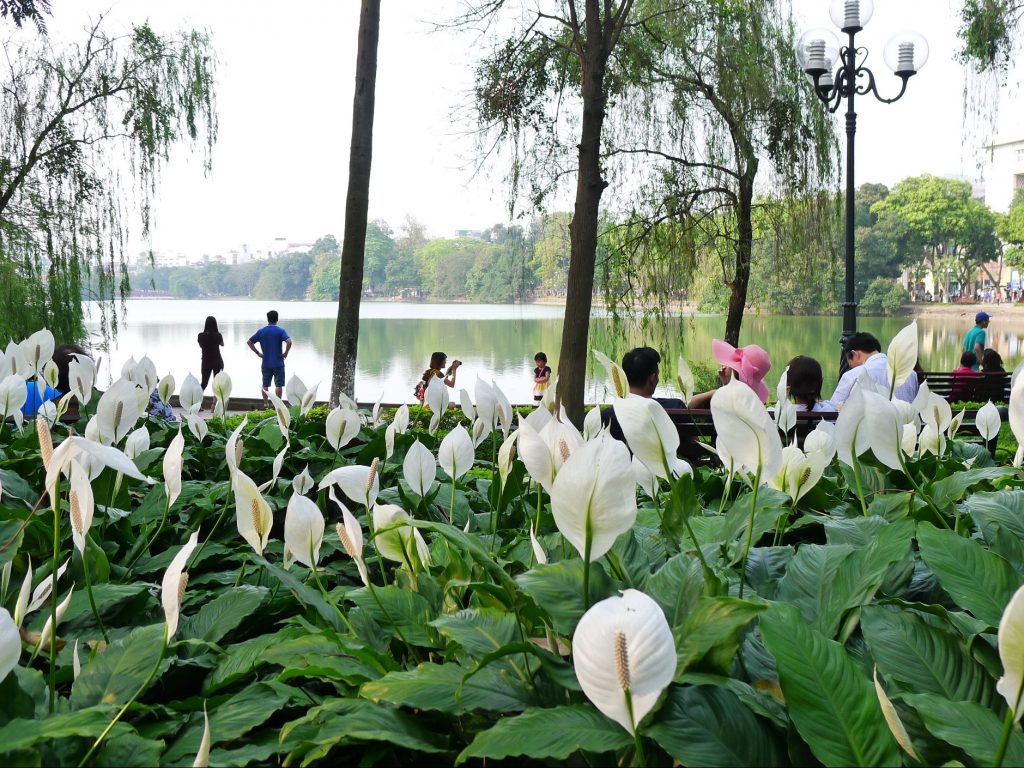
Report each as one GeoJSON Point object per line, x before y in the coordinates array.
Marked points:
{"type": "Point", "coordinates": [210, 342]}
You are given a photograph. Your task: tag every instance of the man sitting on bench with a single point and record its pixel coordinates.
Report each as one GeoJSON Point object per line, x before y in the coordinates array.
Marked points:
{"type": "Point", "coordinates": [863, 349]}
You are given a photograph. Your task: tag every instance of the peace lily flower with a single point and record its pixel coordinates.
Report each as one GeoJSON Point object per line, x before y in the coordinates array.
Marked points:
{"type": "Point", "coordinates": [616, 375]}
{"type": "Point", "coordinates": [294, 390]}
{"type": "Point", "coordinates": [785, 411]}
{"type": "Point", "coordinates": [172, 468]}
{"type": "Point", "coordinates": [15, 362]}
{"type": "Point", "coordinates": [467, 405]}
{"type": "Point", "coordinates": [646, 479]}
{"type": "Point", "coordinates": [12, 397]}
{"type": "Point", "coordinates": [36, 350]}
{"type": "Point", "coordinates": [932, 441]}
{"type": "Point", "coordinates": [503, 408]}
{"type": "Point", "coordinates": [436, 399]}
{"type": "Point", "coordinates": [191, 395]}
{"type": "Point", "coordinates": [395, 538]}
{"type": "Point", "coordinates": [486, 403]}
{"type": "Point", "coordinates": [538, 551]}
{"type": "Point", "coordinates": [350, 534]}
{"type": "Point", "coordinates": [172, 588]}
{"type": "Point", "coordinates": [233, 448]}
{"type": "Point", "coordinates": [909, 440]}
{"type": "Point", "coordinates": [221, 391]}
{"type": "Point", "coordinates": [549, 402]}
{"type": "Point", "coordinates": [684, 379]}
{"type": "Point", "coordinates": [361, 484]}
{"type": "Point", "coordinates": [545, 452]}
{"type": "Point", "coordinates": [145, 374]}
{"type": "Point", "coordinates": [892, 719]}
{"type": "Point", "coordinates": [165, 388]}
{"type": "Point", "coordinates": [987, 421]}
{"type": "Point", "coordinates": [800, 472]}
{"type": "Point", "coordinates": [40, 594]}
{"type": "Point", "coordinates": [937, 413]}
{"type": "Point", "coordinates": [276, 467]}
{"type": "Point", "coordinates": [651, 436]}
{"type": "Point", "coordinates": [341, 427]}
{"type": "Point", "coordinates": [375, 411]}
{"type": "Point", "coordinates": [745, 430]}
{"type": "Point", "coordinates": [284, 416]}
{"type": "Point", "coordinates": [456, 454]}
{"type": "Point", "coordinates": [389, 441]}
{"type": "Point", "coordinates": [116, 412]}
{"type": "Point", "coordinates": [303, 482]}
{"type": "Point", "coordinates": [344, 401]}
{"type": "Point", "coordinates": [97, 456]}
{"type": "Point", "coordinates": [303, 531]}
{"type": "Point", "coordinates": [81, 376]}
{"type": "Point", "coordinates": [592, 423]}
{"type": "Point", "coordinates": [506, 455]}
{"type": "Point", "coordinates": [419, 468]}
{"type": "Point", "coordinates": [252, 513]}
{"type": "Point", "coordinates": [203, 754]}
{"type": "Point", "coordinates": [10, 644]}
{"type": "Point", "coordinates": [81, 504]}
{"type": "Point", "coordinates": [401, 420]}
{"type": "Point", "coordinates": [624, 656]}
{"type": "Point", "coordinates": [196, 425]}
{"type": "Point", "coordinates": [1016, 411]}
{"type": "Point", "coordinates": [593, 499]}
{"type": "Point", "coordinates": [136, 443]}
{"type": "Point", "coordinates": [902, 356]}
{"type": "Point", "coordinates": [51, 374]}
{"type": "Point", "coordinates": [308, 399]}
{"type": "Point", "coordinates": [858, 429]}
{"type": "Point", "coordinates": [46, 636]}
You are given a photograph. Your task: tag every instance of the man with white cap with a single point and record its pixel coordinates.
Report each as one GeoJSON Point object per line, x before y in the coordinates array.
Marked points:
{"type": "Point", "coordinates": [974, 341]}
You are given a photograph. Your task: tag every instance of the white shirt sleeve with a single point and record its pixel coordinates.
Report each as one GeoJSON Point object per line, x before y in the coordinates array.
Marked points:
{"type": "Point", "coordinates": [845, 387]}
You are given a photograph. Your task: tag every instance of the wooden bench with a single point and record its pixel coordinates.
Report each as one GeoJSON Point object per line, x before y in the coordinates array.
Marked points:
{"type": "Point", "coordinates": [958, 387]}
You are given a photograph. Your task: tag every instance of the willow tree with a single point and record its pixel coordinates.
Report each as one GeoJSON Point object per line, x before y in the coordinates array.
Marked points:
{"type": "Point", "coordinates": [990, 32]}
{"type": "Point", "coordinates": [84, 133]}
{"type": "Point", "coordinates": [357, 203]}
{"type": "Point", "coordinates": [729, 116]}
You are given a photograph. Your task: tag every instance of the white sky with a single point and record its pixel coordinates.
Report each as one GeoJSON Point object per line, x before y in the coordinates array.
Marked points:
{"type": "Point", "coordinates": [285, 83]}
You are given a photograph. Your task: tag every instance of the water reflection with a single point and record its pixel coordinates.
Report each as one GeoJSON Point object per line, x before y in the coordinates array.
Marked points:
{"type": "Point", "coordinates": [494, 341]}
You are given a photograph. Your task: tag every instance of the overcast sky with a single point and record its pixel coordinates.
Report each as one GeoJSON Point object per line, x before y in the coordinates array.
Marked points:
{"type": "Point", "coordinates": [285, 82]}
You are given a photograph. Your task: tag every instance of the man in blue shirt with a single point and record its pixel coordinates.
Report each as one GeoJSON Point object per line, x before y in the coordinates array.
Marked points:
{"type": "Point", "coordinates": [271, 338]}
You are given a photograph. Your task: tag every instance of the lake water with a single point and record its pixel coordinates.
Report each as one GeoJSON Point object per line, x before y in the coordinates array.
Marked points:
{"type": "Point", "coordinates": [493, 341]}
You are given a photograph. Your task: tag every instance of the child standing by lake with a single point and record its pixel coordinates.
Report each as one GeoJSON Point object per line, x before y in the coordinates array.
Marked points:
{"type": "Point", "coordinates": [541, 376]}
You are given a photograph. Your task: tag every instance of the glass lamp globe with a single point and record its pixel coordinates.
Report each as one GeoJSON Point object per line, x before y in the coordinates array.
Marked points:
{"type": "Point", "coordinates": [906, 53]}
{"type": "Point", "coordinates": [817, 51]}
{"type": "Point", "coordinates": [851, 15]}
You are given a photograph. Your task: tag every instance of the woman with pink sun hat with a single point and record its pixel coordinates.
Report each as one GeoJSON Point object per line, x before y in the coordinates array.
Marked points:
{"type": "Point", "coordinates": [750, 364]}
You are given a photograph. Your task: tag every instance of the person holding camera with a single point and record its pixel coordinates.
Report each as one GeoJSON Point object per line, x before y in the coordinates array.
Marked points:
{"type": "Point", "coordinates": [438, 361]}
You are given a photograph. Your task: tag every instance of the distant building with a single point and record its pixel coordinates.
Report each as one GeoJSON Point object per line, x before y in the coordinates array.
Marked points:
{"type": "Point", "coordinates": [478, 234]}
{"type": "Point", "coordinates": [1004, 173]}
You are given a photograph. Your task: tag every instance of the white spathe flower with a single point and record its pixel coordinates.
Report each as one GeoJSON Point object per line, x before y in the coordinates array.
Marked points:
{"type": "Point", "coordinates": [10, 644]}
{"type": "Point", "coordinates": [303, 482]}
{"type": "Point", "coordinates": [203, 753]}
{"type": "Point", "coordinates": [592, 423]}
{"type": "Point", "coordinates": [937, 413]}
{"type": "Point", "coordinates": [81, 505]}
{"type": "Point", "coordinates": [40, 594]}
{"type": "Point", "coordinates": [954, 425]}
{"type": "Point", "coordinates": [1016, 410]}
{"type": "Point", "coordinates": [479, 432]}
{"type": "Point", "coordinates": [51, 374]}
{"type": "Point", "coordinates": [15, 362]}
{"type": "Point", "coordinates": [191, 395]}
{"type": "Point", "coordinates": [503, 408]}
{"type": "Point", "coordinates": [549, 402]}
{"type": "Point", "coordinates": [616, 376]}
{"type": "Point", "coordinates": [745, 430]}
{"type": "Point", "coordinates": [76, 663]}
{"type": "Point", "coordinates": [233, 449]}
{"type": "Point", "coordinates": [932, 441]}
{"type": "Point", "coordinates": [196, 425]}
{"type": "Point", "coordinates": [117, 411]}
{"type": "Point", "coordinates": [303, 531]}
{"type": "Point", "coordinates": [145, 374]}
{"type": "Point", "coordinates": [987, 421]}
{"type": "Point", "coordinates": [165, 388]}
{"type": "Point", "coordinates": [49, 627]}
{"type": "Point", "coordinates": [13, 395]}
{"type": "Point", "coordinates": [908, 442]}
{"type": "Point", "coordinates": [892, 719]}
{"type": "Point", "coordinates": [852, 435]}
{"type": "Point", "coordinates": [538, 418]}
{"type": "Point", "coordinates": [98, 456]}
{"type": "Point", "coordinates": [344, 401]}
{"type": "Point", "coordinates": [1011, 653]}
{"type": "Point", "coordinates": [375, 419]}
{"type": "Point", "coordinates": [593, 499]}
{"type": "Point", "coordinates": [884, 429]}
{"type": "Point", "coordinates": [902, 355]}
{"type": "Point", "coordinates": [350, 533]}
{"type": "Point", "coordinates": [294, 390]}
{"type": "Point", "coordinates": [173, 463]}
{"type": "Point", "coordinates": [684, 379]}
{"type": "Point", "coordinates": [419, 468]}
{"type": "Point", "coordinates": [651, 435]}
{"type": "Point", "coordinates": [284, 416]}
{"type": "Point", "coordinates": [252, 513]}
{"type": "Point", "coordinates": [360, 484]}
{"type": "Point", "coordinates": [466, 403]}
{"type": "Point", "coordinates": [276, 467]}
{"type": "Point", "coordinates": [624, 656]}
{"type": "Point", "coordinates": [172, 588]}
{"type": "Point", "coordinates": [36, 350]}
{"type": "Point", "coordinates": [545, 452]}
{"type": "Point", "coordinates": [137, 442]}
{"type": "Point", "coordinates": [395, 538]}
{"type": "Point", "coordinates": [456, 453]}
{"type": "Point", "coordinates": [486, 403]}
{"type": "Point", "coordinates": [389, 441]}
{"type": "Point", "coordinates": [646, 479]}
{"type": "Point", "coordinates": [222, 387]}
{"type": "Point", "coordinates": [401, 420]}
{"type": "Point", "coordinates": [436, 399]}
{"type": "Point", "coordinates": [538, 551]}
{"type": "Point", "coordinates": [308, 399]}
{"type": "Point", "coordinates": [506, 455]}
{"type": "Point", "coordinates": [341, 427]}
{"type": "Point", "coordinates": [785, 411]}
{"type": "Point", "coordinates": [81, 377]}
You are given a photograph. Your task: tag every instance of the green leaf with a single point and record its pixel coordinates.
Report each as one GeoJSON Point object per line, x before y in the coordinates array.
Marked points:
{"type": "Point", "coordinates": [479, 630]}
{"type": "Point", "coordinates": [978, 580]}
{"type": "Point", "coordinates": [23, 694]}
{"type": "Point", "coordinates": [765, 567]}
{"type": "Point", "coordinates": [224, 613]}
{"type": "Point", "coordinates": [831, 702]}
{"type": "Point", "coordinates": [548, 733]}
{"type": "Point", "coordinates": [397, 610]}
{"type": "Point", "coordinates": [110, 599]}
{"type": "Point", "coordinates": [128, 750]}
{"type": "Point", "coordinates": [243, 658]}
{"type": "Point", "coordinates": [950, 489]}
{"type": "Point", "coordinates": [15, 487]}
{"type": "Point", "coordinates": [676, 587]}
{"type": "Point", "coordinates": [922, 658]}
{"type": "Point", "coordinates": [704, 725]}
{"type": "Point", "coordinates": [113, 676]}
{"type": "Point", "coordinates": [1000, 519]}
{"type": "Point", "coordinates": [714, 623]}
{"type": "Point", "coordinates": [967, 725]}
{"type": "Point", "coordinates": [449, 688]}
{"type": "Point", "coordinates": [808, 584]}
{"type": "Point", "coordinates": [558, 589]}
{"type": "Point", "coordinates": [306, 595]}
{"type": "Point", "coordinates": [20, 734]}
{"type": "Point", "coordinates": [470, 544]}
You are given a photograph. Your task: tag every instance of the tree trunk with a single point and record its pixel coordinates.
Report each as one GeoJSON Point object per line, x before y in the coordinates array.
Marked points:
{"type": "Point", "coordinates": [572, 361]}
{"type": "Point", "coordinates": [357, 203]}
{"type": "Point", "coordinates": [744, 248]}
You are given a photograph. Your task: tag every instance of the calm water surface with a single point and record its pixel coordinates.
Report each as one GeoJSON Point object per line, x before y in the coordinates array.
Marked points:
{"type": "Point", "coordinates": [493, 341]}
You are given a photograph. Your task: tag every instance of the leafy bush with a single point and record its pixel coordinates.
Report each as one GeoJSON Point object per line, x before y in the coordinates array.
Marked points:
{"type": "Point", "coordinates": [884, 297]}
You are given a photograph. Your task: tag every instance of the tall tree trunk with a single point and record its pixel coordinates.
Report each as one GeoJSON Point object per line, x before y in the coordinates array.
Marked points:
{"type": "Point", "coordinates": [357, 203]}
{"type": "Point", "coordinates": [744, 249]}
{"type": "Point", "coordinates": [572, 361]}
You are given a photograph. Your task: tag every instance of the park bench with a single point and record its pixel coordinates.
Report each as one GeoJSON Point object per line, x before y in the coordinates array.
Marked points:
{"type": "Point", "coordinates": [966, 388]}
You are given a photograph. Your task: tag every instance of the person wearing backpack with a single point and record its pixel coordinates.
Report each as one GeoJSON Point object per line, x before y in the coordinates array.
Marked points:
{"type": "Point", "coordinates": [438, 361]}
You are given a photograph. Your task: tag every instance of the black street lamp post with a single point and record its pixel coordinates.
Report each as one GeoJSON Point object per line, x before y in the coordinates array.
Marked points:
{"type": "Point", "coordinates": [818, 51]}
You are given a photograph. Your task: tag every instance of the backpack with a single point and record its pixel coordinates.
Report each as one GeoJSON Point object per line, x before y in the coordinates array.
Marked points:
{"type": "Point", "coordinates": [420, 390]}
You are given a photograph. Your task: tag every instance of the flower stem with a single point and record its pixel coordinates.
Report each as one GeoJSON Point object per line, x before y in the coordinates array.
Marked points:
{"type": "Point", "coordinates": [641, 761]}
{"type": "Point", "coordinates": [1004, 738]}
{"type": "Point", "coordinates": [337, 610]}
{"type": "Point", "coordinates": [586, 571]}
{"type": "Point", "coordinates": [152, 539]}
{"type": "Point", "coordinates": [88, 589]}
{"type": "Point", "coordinates": [53, 600]}
{"type": "Point", "coordinates": [120, 714]}
{"type": "Point", "coordinates": [856, 481]}
{"type": "Point", "coordinates": [750, 530]}
{"type": "Point", "coordinates": [216, 525]}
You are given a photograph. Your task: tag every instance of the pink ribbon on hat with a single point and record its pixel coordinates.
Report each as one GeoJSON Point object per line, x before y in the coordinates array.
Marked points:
{"type": "Point", "coordinates": [751, 362]}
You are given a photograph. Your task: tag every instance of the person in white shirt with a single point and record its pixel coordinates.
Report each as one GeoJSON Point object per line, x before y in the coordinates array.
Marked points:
{"type": "Point", "coordinates": [863, 349]}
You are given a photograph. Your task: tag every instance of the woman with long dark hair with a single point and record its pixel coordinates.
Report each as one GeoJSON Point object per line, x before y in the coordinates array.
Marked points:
{"type": "Point", "coordinates": [210, 342]}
